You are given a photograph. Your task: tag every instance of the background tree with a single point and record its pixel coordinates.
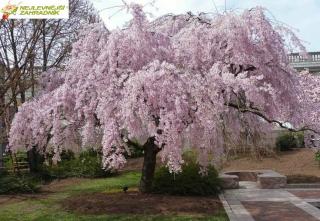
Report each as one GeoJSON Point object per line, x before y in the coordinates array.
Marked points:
{"type": "Point", "coordinates": [29, 47]}
{"type": "Point", "coordinates": [178, 78]}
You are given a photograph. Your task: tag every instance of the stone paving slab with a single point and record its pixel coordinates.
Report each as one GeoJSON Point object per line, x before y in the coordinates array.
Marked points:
{"type": "Point", "coordinates": [235, 210]}
{"type": "Point", "coordinates": [275, 204]}
{"type": "Point", "coordinates": [306, 194]}
{"type": "Point", "coordinates": [259, 194]}
{"type": "Point", "coordinates": [276, 211]}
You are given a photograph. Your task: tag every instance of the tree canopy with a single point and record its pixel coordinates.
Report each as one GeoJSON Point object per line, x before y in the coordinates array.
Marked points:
{"type": "Point", "coordinates": [180, 77]}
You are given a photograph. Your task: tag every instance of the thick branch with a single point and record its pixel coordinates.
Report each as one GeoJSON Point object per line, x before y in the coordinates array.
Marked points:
{"type": "Point", "coordinates": [256, 112]}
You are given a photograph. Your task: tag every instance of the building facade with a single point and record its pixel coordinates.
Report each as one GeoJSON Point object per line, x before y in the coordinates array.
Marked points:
{"type": "Point", "coordinates": [312, 63]}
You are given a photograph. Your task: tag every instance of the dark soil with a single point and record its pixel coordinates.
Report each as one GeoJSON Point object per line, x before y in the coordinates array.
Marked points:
{"type": "Point", "coordinates": [137, 203]}
{"type": "Point", "coordinates": [302, 179]}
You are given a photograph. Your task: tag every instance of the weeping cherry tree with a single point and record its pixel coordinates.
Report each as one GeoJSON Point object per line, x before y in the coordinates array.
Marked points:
{"type": "Point", "coordinates": [164, 82]}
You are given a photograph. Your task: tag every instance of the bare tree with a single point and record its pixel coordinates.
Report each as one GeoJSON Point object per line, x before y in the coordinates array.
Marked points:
{"type": "Point", "coordinates": [29, 47]}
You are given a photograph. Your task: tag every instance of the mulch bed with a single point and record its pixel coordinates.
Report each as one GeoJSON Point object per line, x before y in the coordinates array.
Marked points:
{"type": "Point", "coordinates": [137, 203]}
{"type": "Point", "coordinates": [302, 179]}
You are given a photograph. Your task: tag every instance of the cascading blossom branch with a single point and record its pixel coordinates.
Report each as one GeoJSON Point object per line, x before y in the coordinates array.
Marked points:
{"type": "Point", "coordinates": [176, 79]}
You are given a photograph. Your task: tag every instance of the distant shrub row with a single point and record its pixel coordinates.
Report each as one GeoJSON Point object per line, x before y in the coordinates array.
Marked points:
{"type": "Point", "coordinates": [11, 184]}
{"type": "Point", "coordinates": [88, 164]}
{"type": "Point", "coordinates": [289, 140]}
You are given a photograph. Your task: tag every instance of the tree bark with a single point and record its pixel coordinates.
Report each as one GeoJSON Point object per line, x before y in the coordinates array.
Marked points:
{"type": "Point", "coordinates": [2, 117]}
{"type": "Point", "coordinates": [149, 165]}
{"type": "Point", "coordinates": [2, 146]}
{"type": "Point", "coordinates": [44, 46]}
{"type": "Point", "coordinates": [34, 160]}
{"type": "Point", "coordinates": [3, 142]}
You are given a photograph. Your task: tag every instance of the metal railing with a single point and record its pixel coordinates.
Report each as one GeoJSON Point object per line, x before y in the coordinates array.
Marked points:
{"type": "Point", "coordinates": [297, 58]}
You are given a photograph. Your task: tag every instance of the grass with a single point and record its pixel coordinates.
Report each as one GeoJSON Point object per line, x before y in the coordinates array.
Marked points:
{"type": "Point", "coordinates": [48, 207]}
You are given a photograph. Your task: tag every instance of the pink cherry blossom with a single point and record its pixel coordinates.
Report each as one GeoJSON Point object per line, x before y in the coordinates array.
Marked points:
{"type": "Point", "coordinates": [208, 82]}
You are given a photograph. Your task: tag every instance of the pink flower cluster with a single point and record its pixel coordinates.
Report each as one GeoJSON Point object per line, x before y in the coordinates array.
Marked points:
{"type": "Point", "coordinates": [183, 79]}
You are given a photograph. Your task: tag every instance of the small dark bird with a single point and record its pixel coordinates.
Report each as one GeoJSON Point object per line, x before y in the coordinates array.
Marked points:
{"type": "Point", "coordinates": [125, 189]}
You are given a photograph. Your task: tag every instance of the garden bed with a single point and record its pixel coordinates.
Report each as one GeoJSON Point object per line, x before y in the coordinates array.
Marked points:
{"type": "Point", "coordinates": [299, 178]}
{"type": "Point", "coordinates": [137, 203]}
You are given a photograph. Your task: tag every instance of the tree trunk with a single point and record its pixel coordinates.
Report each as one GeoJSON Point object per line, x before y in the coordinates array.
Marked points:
{"type": "Point", "coordinates": [2, 124]}
{"type": "Point", "coordinates": [44, 46]}
{"type": "Point", "coordinates": [34, 160]}
{"type": "Point", "coordinates": [3, 144]}
{"type": "Point", "coordinates": [149, 165]}
{"type": "Point", "coordinates": [2, 148]}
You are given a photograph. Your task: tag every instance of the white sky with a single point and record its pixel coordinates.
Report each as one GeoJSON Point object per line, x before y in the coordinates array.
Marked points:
{"type": "Point", "coordinates": [302, 15]}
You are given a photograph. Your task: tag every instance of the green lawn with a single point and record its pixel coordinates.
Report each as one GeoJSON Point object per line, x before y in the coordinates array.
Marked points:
{"type": "Point", "coordinates": [48, 208]}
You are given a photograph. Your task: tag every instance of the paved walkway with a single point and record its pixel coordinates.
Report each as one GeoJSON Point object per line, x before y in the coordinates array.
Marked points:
{"type": "Point", "coordinates": [252, 204]}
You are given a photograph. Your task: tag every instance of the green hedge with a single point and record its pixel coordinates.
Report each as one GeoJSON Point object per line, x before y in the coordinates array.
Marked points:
{"type": "Point", "coordinates": [88, 164]}
{"type": "Point", "coordinates": [11, 184]}
{"type": "Point", "coordinates": [188, 182]}
{"type": "Point", "coordinates": [289, 140]}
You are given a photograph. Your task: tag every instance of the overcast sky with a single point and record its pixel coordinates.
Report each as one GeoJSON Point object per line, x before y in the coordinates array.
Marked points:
{"type": "Point", "coordinates": [302, 15]}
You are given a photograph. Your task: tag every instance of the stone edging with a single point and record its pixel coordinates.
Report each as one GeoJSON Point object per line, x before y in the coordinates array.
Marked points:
{"type": "Point", "coordinates": [303, 185]}
{"type": "Point", "coordinates": [266, 179]}
{"type": "Point", "coordinates": [242, 213]}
